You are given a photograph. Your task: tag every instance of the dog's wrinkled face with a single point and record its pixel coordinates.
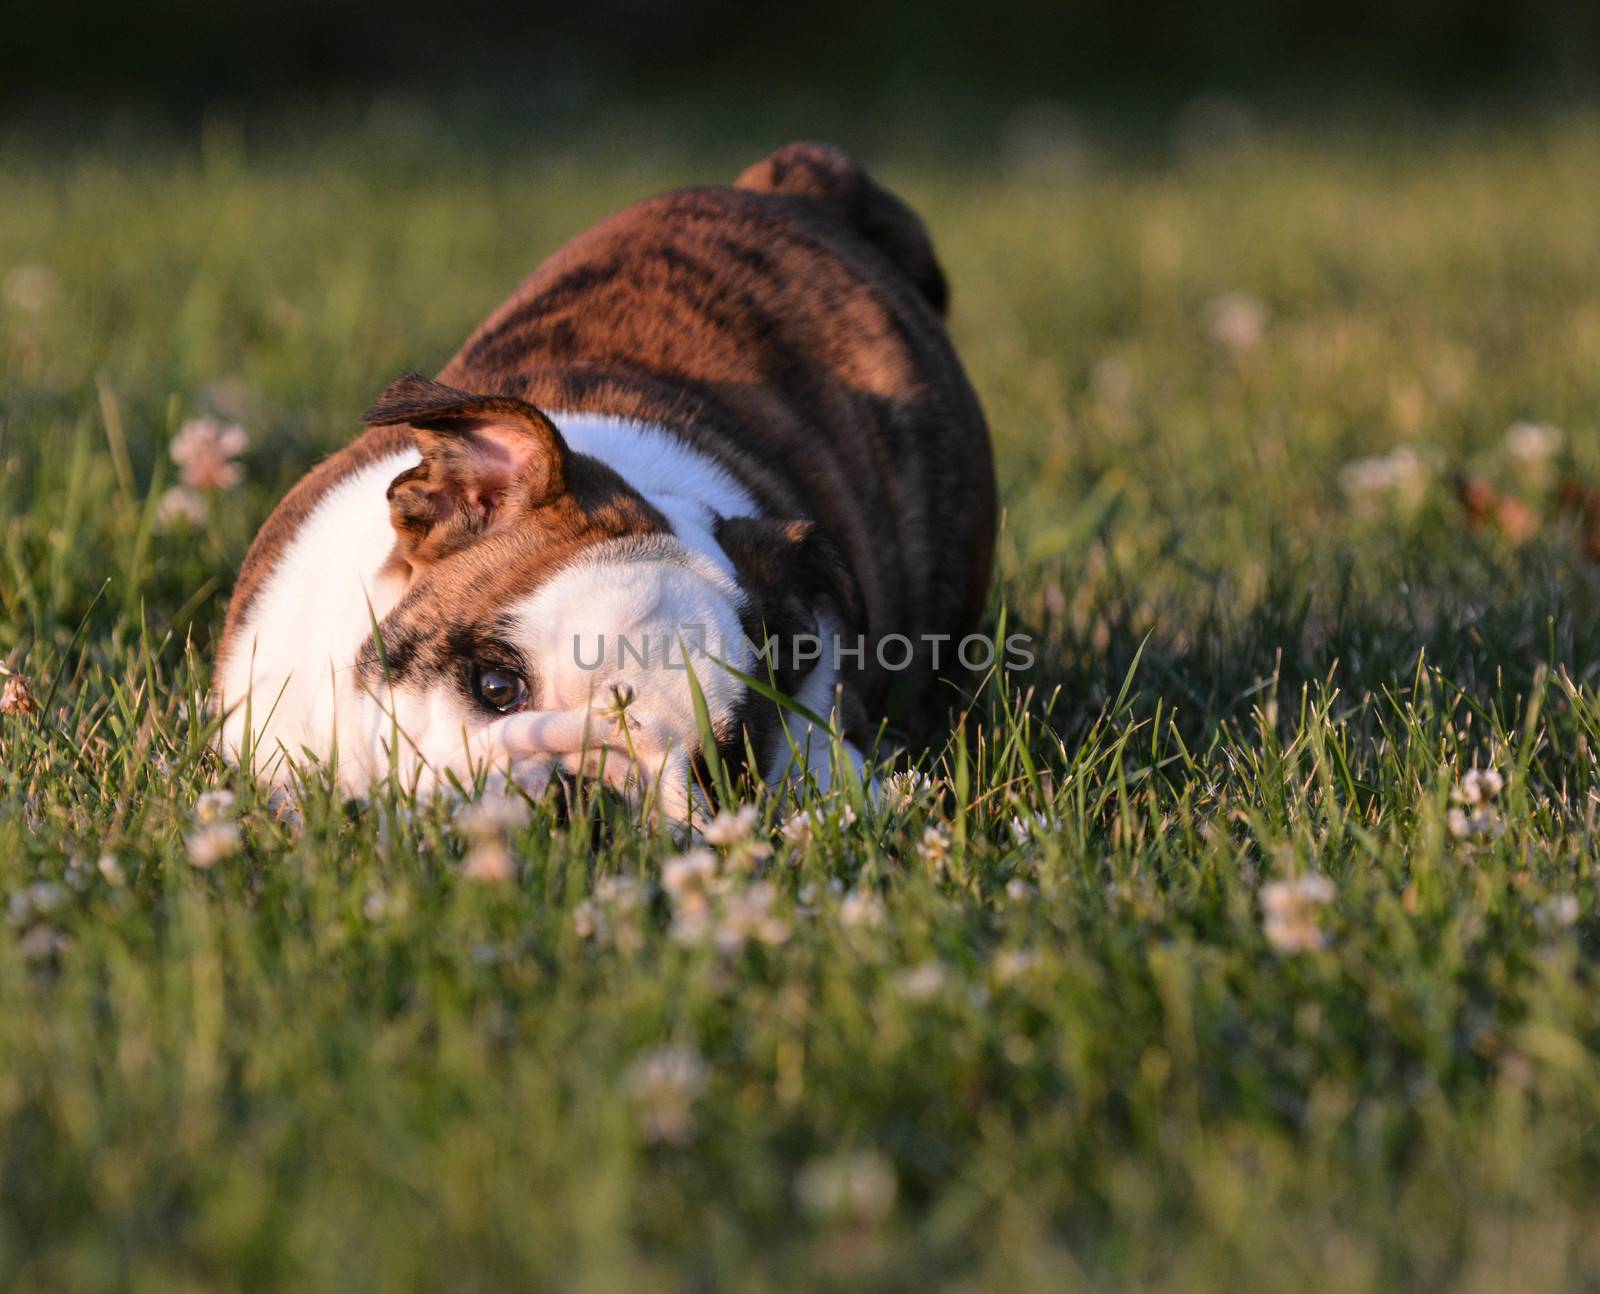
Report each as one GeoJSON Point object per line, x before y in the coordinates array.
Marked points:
{"type": "Point", "coordinates": [578, 668]}
{"type": "Point", "coordinates": [550, 619]}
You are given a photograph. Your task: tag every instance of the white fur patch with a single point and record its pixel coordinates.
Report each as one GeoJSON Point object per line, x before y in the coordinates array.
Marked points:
{"type": "Point", "coordinates": [289, 675]}
{"type": "Point", "coordinates": [688, 488]}
{"type": "Point", "coordinates": [632, 619]}
{"type": "Point", "coordinates": [692, 490]}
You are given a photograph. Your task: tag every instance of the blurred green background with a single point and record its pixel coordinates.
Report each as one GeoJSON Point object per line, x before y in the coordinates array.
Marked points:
{"type": "Point", "coordinates": [187, 53]}
{"type": "Point", "coordinates": [1251, 295]}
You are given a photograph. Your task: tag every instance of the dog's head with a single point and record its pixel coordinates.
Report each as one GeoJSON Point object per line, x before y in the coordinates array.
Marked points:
{"type": "Point", "coordinates": [551, 616]}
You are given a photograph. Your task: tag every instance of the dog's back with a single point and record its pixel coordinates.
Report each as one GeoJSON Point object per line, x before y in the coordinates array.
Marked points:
{"type": "Point", "coordinates": [789, 327]}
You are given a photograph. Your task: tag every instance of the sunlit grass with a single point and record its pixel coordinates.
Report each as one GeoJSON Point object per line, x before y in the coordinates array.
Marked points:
{"type": "Point", "coordinates": [1030, 1024]}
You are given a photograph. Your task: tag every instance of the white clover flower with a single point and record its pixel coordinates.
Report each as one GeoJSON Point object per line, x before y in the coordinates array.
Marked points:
{"type": "Point", "coordinates": [210, 843]}
{"type": "Point", "coordinates": [1480, 822]}
{"type": "Point", "coordinates": [179, 507]}
{"type": "Point", "coordinates": [665, 1084]}
{"type": "Point", "coordinates": [380, 905]}
{"type": "Point", "coordinates": [1011, 964]}
{"type": "Point", "coordinates": [855, 1186]}
{"type": "Point", "coordinates": [1532, 443]}
{"type": "Point", "coordinates": [693, 921]}
{"type": "Point", "coordinates": [733, 831]}
{"type": "Point", "coordinates": [1366, 476]}
{"type": "Point", "coordinates": [41, 943]}
{"type": "Point", "coordinates": [1018, 890]}
{"type": "Point", "coordinates": [805, 825]}
{"type": "Point", "coordinates": [613, 915]}
{"type": "Point", "coordinates": [214, 806]}
{"type": "Point", "coordinates": [586, 919]}
{"type": "Point", "coordinates": [1312, 890]}
{"type": "Point", "coordinates": [1029, 826]}
{"type": "Point", "coordinates": [693, 870]}
{"type": "Point", "coordinates": [801, 828]}
{"type": "Point", "coordinates": [30, 288]}
{"type": "Point", "coordinates": [905, 790]}
{"type": "Point", "coordinates": [1478, 786]}
{"type": "Point", "coordinates": [1290, 911]}
{"type": "Point", "coordinates": [16, 696]}
{"type": "Point", "coordinates": [1401, 473]}
{"type": "Point", "coordinates": [747, 916]}
{"type": "Point", "coordinates": [730, 828]}
{"type": "Point", "coordinates": [934, 847]}
{"type": "Point", "coordinates": [1558, 912]}
{"type": "Point", "coordinates": [37, 900]}
{"type": "Point", "coordinates": [1236, 321]}
{"type": "Point", "coordinates": [690, 879]}
{"type": "Point", "coordinates": [1474, 815]}
{"type": "Point", "coordinates": [495, 814]}
{"type": "Point", "coordinates": [922, 982]}
{"type": "Point", "coordinates": [861, 910]}
{"type": "Point", "coordinates": [620, 893]}
{"type": "Point", "coordinates": [489, 861]}
{"type": "Point", "coordinates": [204, 450]}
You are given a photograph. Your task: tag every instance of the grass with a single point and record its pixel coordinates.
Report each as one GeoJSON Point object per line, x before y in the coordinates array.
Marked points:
{"type": "Point", "coordinates": [995, 1057]}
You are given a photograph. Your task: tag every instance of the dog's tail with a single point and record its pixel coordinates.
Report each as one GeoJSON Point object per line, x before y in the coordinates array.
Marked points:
{"type": "Point", "coordinates": [831, 178]}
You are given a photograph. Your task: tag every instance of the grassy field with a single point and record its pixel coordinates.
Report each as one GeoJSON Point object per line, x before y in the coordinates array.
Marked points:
{"type": "Point", "coordinates": [1079, 1013]}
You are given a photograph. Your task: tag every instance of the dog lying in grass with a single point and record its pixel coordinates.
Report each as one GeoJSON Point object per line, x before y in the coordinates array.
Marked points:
{"type": "Point", "coordinates": [715, 452]}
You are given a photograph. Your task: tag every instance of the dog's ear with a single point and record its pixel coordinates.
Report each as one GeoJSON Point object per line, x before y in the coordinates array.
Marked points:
{"type": "Point", "coordinates": [793, 570]}
{"type": "Point", "coordinates": [486, 461]}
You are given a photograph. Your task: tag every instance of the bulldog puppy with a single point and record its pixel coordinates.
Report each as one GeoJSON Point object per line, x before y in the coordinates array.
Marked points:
{"type": "Point", "coordinates": [722, 432]}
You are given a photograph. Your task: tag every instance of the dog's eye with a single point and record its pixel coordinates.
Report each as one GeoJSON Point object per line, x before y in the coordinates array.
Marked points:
{"type": "Point", "coordinates": [499, 689]}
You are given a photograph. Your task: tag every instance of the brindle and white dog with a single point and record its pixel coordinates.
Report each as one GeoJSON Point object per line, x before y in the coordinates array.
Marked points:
{"type": "Point", "coordinates": [720, 415]}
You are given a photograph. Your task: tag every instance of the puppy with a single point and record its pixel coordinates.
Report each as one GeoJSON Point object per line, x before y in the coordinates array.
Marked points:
{"type": "Point", "coordinates": [720, 437]}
